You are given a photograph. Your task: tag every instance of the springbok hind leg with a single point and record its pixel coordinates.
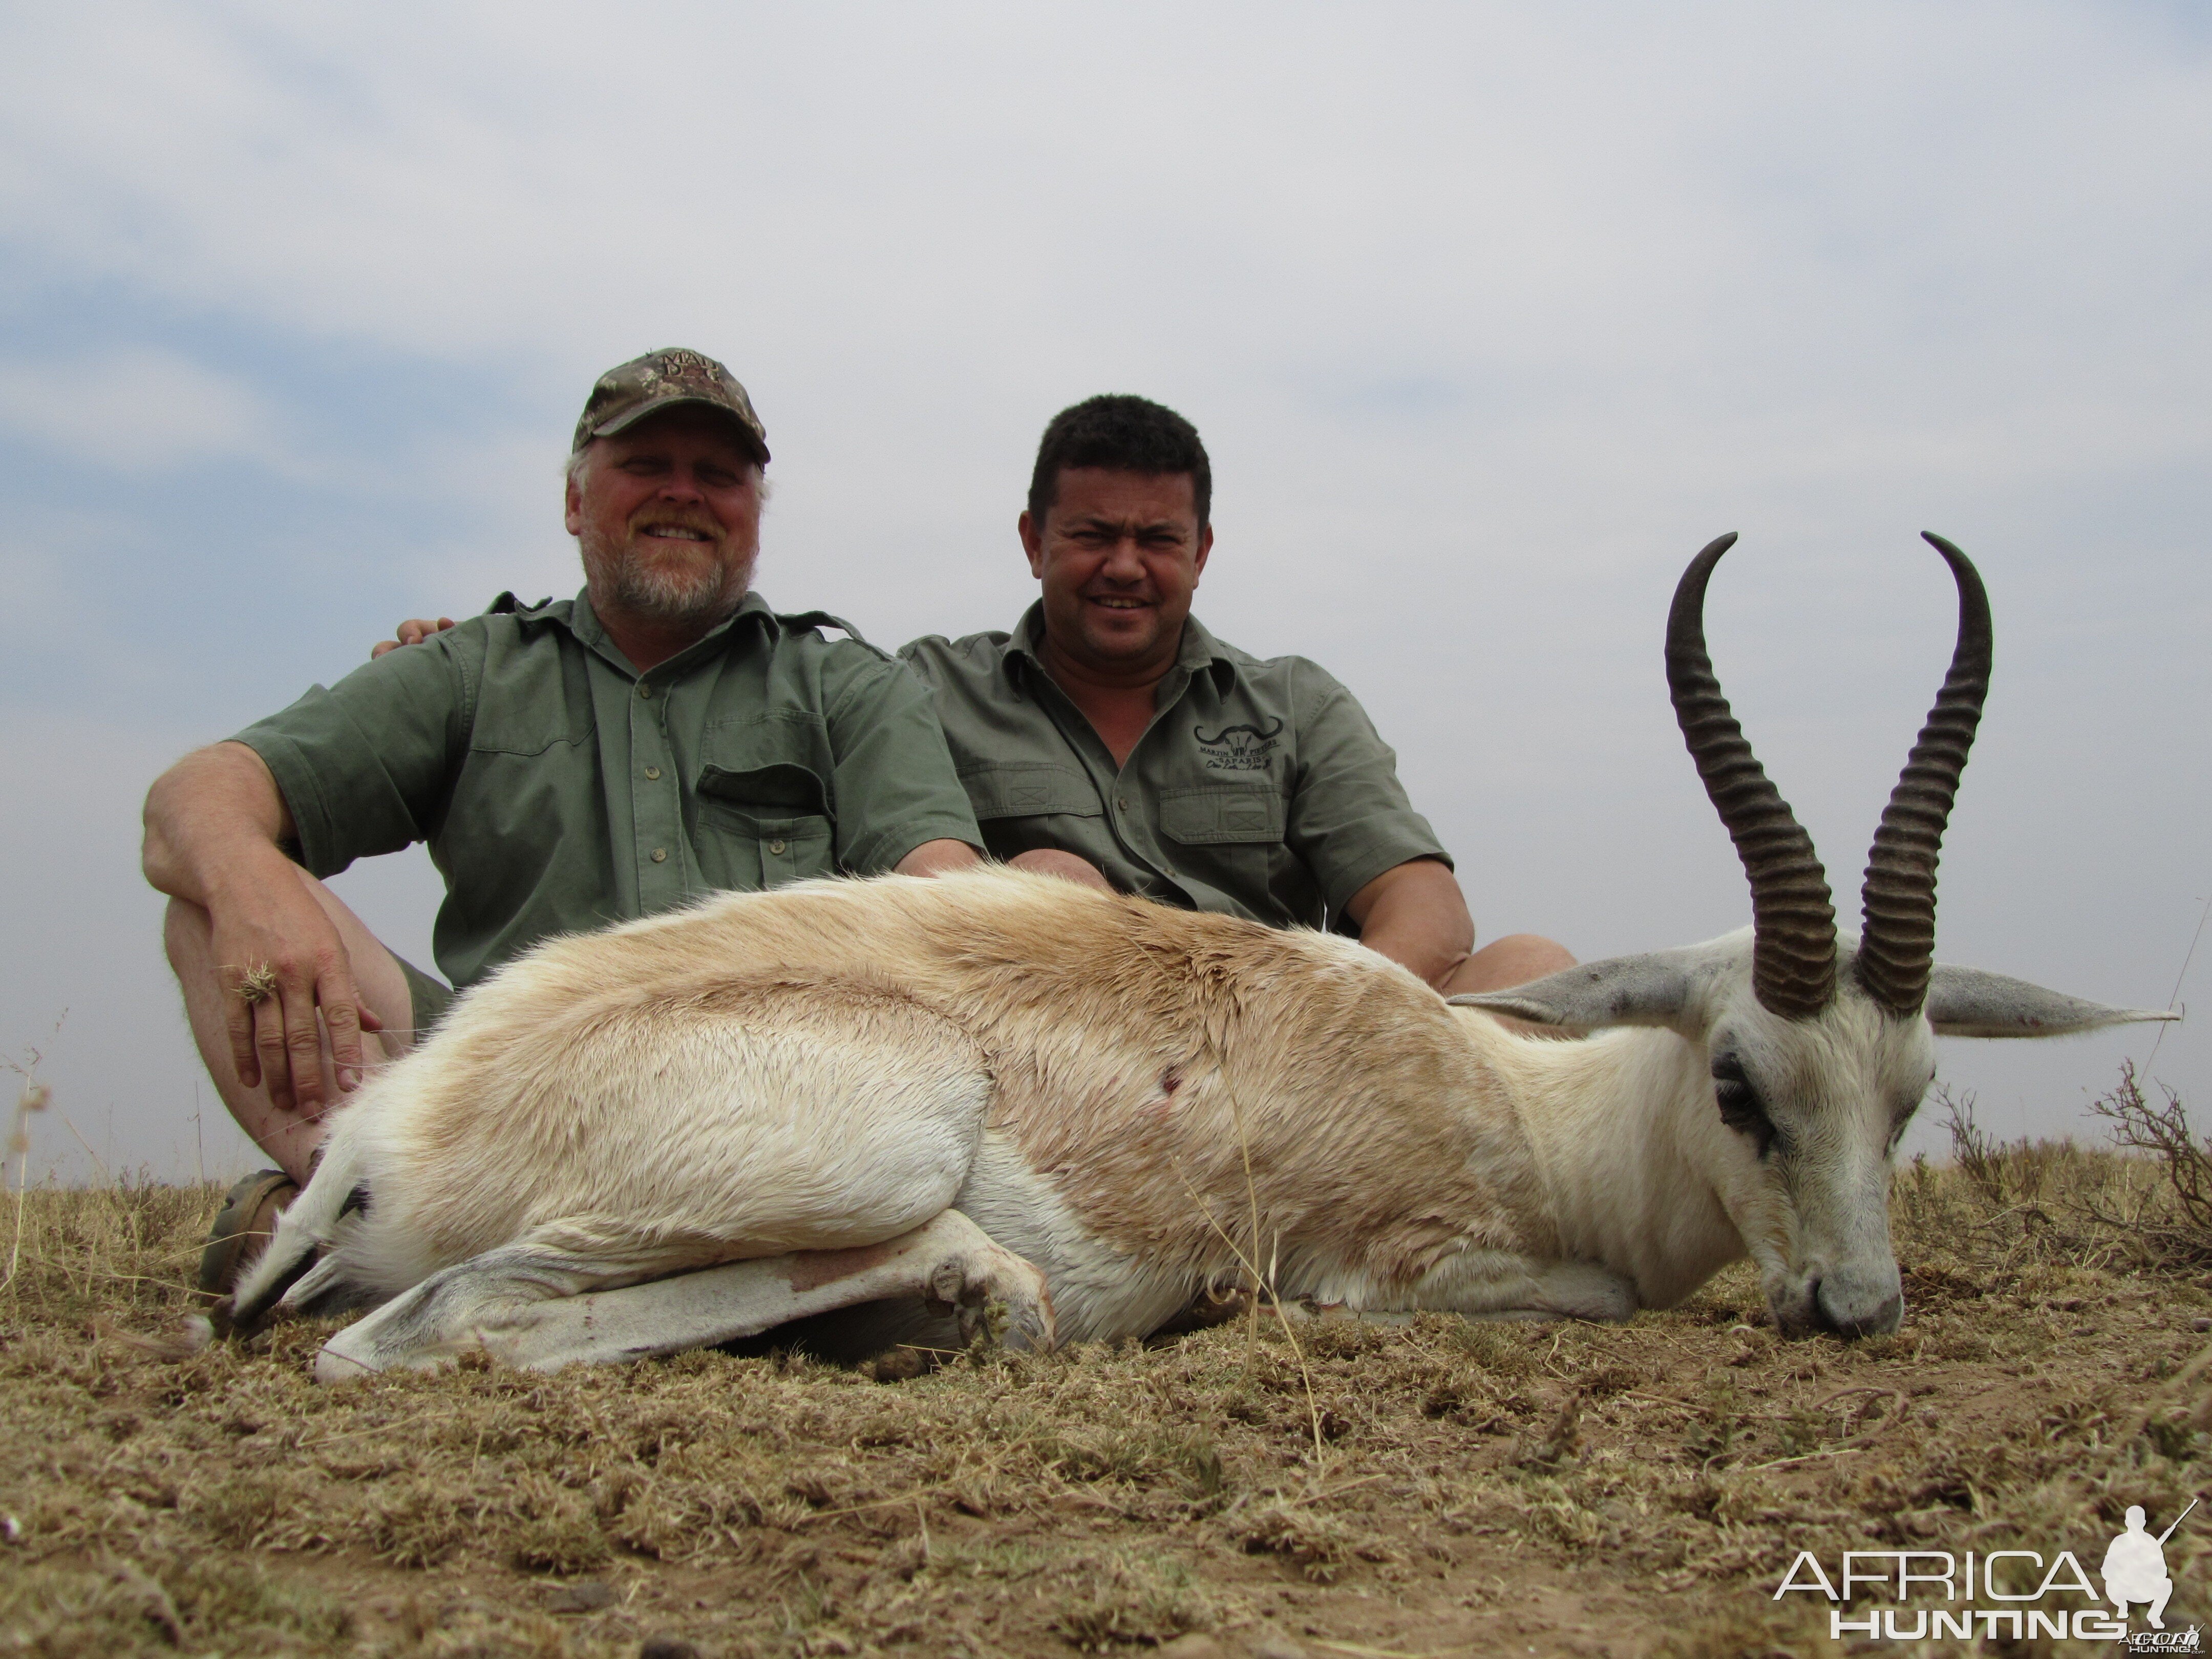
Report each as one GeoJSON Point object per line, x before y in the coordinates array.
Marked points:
{"type": "Point", "coordinates": [539, 1308]}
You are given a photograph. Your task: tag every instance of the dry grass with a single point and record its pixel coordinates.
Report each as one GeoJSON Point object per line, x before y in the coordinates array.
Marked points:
{"type": "Point", "coordinates": [1562, 1488]}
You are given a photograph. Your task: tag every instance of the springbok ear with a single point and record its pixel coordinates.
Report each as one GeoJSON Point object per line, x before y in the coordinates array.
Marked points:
{"type": "Point", "coordinates": [1642, 990]}
{"type": "Point", "coordinates": [1970, 1002]}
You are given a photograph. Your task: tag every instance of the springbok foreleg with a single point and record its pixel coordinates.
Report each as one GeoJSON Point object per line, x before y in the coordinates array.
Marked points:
{"type": "Point", "coordinates": [538, 1307]}
{"type": "Point", "coordinates": [1495, 1284]}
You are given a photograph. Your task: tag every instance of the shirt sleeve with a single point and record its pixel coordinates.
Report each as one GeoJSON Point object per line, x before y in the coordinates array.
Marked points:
{"type": "Point", "coordinates": [894, 784]}
{"type": "Point", "coordinates": [366, 766]}
{"type": "Point", "coordinates": [1349, 817]}
{"type": "Point", "coordinates": [921, 659]}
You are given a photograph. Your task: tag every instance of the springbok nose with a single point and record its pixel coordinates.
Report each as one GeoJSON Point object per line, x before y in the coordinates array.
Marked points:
{"type": "Point", "coordinates": [1840, 1313]}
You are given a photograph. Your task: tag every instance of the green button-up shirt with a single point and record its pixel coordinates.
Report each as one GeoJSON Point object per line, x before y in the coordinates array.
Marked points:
{"type": "Point", "coordinates": [1260, 788]}
{"type": "Point", "coordinates": [559, 789]}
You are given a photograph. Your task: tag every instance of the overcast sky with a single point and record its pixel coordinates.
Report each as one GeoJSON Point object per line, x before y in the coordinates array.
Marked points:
{"type": "Point", "coordinates": [1490, 316]}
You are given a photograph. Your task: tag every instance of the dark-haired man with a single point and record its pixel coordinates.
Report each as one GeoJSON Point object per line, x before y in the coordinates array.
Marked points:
{"type": "Point", "coordinates": [571, 763]}
{"type": "Point", "coordinates": [1110, 739]}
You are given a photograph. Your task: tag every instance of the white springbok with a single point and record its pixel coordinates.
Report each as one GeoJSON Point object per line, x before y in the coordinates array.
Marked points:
{"type": "Point", "coordinates": [899, 1101]}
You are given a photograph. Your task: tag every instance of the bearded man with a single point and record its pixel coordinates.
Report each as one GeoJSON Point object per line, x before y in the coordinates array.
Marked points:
{"type": "Point", "coordinates": [571, 763]}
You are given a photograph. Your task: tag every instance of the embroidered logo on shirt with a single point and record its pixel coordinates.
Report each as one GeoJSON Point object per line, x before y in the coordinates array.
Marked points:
{"type": "Point", "coordinates": [1238, 748]}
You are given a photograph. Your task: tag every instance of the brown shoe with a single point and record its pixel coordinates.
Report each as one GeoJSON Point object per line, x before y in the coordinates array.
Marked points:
{"type": "Point", "coordinates": [242, 1226]}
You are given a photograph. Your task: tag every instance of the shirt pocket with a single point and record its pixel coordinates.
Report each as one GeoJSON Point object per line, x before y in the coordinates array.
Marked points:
{"type": "Point", "coordinates": [1231, 839]}
{"type": "Point", "coordinates": [1022, 805]}
{"type": "Point", "coordinates": [1216, 817]}
{"type": "Point", "coordinates": [529, 699]}
{"type": "Point", "coordinates": [764, 817]}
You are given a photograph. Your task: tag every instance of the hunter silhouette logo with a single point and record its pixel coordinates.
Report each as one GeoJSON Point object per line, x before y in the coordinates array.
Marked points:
{"type": "Point", "coordinates": [2135, 1567]}
{"type": "Point", "coordinates": [1237, 748]}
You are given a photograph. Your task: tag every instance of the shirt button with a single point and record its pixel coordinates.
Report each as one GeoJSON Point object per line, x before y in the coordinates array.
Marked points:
{"type": "Point", "coordinates": [644, 691]}
{"type": "Point", "coordinates": [1122, 801]}
{"type": "Point", "coordinates": [660, 855]}
{"type": "Point", "coordinates": [776, 847]}
{"type": "Point", "coordinates": [652, 773]}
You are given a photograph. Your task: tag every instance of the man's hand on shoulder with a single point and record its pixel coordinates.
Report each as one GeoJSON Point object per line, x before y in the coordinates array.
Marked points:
{"type": "Point", "coordinates": [413, 631]}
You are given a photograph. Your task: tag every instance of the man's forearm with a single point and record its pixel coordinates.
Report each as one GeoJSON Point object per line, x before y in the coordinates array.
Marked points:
{"type": "Point", "coordinates": [216, 815]}
{"type": "Point", "coordinates": [1416, 915]}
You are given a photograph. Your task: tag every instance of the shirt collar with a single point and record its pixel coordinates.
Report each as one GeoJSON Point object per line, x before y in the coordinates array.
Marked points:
{"type": "Point", "coordinates": [584, 623]}
{"type": "Point", "coordinates": [1200, 649]}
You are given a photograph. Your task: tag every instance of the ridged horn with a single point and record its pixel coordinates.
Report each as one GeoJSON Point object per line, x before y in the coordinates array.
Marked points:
{"type": "Point", "coordinates": [1897, 945]}
{"type": "Point", "coordinates": [1793, 960]}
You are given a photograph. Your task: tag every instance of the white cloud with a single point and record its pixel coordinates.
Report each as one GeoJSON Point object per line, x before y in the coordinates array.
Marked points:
{"type": "Point", "coordinates": [134, 411]}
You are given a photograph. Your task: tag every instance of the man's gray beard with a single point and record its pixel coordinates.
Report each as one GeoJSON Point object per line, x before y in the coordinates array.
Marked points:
{"type": "Point", "coordinates": [663, 597]}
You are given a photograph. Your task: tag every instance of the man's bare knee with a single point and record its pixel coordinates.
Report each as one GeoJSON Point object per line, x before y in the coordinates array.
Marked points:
{"type": "Point", "coordinates": [1514, 959]}
{"type": "Point", "coordinates": [1069, 866]}
{"type": "Point", "coordinates": [1531, 954]}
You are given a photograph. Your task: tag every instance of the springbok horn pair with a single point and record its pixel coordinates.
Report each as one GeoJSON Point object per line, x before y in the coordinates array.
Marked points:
{"type": "Point", "coordinates": [1793, 918]}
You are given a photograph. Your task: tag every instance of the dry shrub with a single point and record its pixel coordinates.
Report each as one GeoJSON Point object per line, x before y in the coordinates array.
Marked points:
{"type": "Point", "coordinates": [2016, 1207]}
{"type": "Point", "coordinates": [2184, 1233]}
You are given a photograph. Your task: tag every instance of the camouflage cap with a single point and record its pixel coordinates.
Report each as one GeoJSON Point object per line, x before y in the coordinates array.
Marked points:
{"type": "Point", "coordinates": [662, 380]}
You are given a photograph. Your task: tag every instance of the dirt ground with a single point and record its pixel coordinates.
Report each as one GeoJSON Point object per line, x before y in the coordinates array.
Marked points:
{"type": "Point", "coordinates": [1437, 1488]}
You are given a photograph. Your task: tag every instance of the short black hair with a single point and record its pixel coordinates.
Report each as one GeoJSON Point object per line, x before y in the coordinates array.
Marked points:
{"type": "Point", "coordinates": [1127, 434]}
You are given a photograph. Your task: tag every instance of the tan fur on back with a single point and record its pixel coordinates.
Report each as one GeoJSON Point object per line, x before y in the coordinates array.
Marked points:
{"type": "Point", "coordinates": [1115, 1041]}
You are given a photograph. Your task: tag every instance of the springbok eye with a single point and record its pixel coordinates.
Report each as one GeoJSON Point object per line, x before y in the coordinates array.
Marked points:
{"type": "Point", "coordinates": [1741, 1110]}
{"type": "Point", "coordinates": [1902, 1122]}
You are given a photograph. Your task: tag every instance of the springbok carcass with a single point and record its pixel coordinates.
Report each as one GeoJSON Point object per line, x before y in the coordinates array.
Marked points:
{"type": "Point", "coordinates": [898, 1102]}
